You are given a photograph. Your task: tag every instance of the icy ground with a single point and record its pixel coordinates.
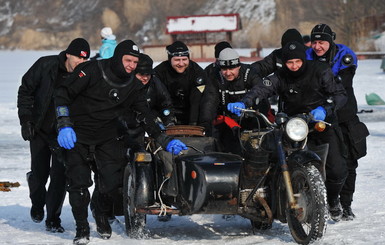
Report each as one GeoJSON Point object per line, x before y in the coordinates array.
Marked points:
{"type": "Point", "coordinates": [16, 226]}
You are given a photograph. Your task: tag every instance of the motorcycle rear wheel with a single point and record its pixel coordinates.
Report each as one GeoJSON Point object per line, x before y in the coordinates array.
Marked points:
{"type": "Point", "coordinates": [308, 223]}
{"type": "Point", "coordinates": [134, 222]}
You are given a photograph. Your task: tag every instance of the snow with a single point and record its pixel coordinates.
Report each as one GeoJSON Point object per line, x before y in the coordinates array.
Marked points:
{"type": "Point", "coordinates": [16, 226]}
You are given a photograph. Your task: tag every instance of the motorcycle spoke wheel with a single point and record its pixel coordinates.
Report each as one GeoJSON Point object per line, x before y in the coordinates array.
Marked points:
{"type": "Point", "coordinates": [308, 222]}
{"type": "Point", "coordinates": [134, 222]}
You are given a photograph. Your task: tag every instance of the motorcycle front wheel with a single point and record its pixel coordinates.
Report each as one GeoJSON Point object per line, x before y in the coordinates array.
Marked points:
{"type": "Point", "coordinates": [134, 222]}
{"type": "Point", "coordinates": [308, 222]}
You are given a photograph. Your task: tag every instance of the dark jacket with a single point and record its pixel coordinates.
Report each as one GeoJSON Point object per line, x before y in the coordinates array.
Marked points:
{"type": "Point", "coordinates": [343, 62]}
{"type": "Point", "coordinates": [159, 100]}
{"type": "Point", "coordinates": [34, 100]}
{"type": "Point", "coordinates": [98, 98]}
{"type": "Point", "coordinates": [185, 89]}
{"type": "Point", "coordinates": [220, 92]}
{"type": "Point", "coordinates": [269, 64]}
{"type": "Point", "coordinates": [314, 87]}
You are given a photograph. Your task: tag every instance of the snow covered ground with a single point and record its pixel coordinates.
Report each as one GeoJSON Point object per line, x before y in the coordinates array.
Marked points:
{"type": "Point", "coordinates": [16, 226]}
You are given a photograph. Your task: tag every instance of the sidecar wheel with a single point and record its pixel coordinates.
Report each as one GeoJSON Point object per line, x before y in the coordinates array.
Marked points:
{"type": "Point", "coordinates": [308, 223]}
{"type": "Point", "coordinates": [134, 222]}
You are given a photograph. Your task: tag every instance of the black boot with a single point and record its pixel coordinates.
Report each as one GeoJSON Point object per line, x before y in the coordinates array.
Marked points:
{"type": "Point", "coordinates": [103, 226]}
{"type": "Point", "coordinates": [54, 226]}
{"type": "Point", "coordinates": [37, 214]}
{"type": "Point", "coordinates": [347, 213]}
{"type": "Point", "coordinates": [79, 201]}
{"type": "Point", "coordinates": [335, 209]}
{"type": "Point", "coordinates": [82, 235]}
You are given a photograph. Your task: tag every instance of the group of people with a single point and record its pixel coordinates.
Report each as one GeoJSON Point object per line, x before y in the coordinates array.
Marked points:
{"type": "Point", "coordinates": [81, 116]}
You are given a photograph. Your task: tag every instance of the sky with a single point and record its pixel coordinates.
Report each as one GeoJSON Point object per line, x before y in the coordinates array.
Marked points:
{"type": "Point", "coordinates": [16, 227]}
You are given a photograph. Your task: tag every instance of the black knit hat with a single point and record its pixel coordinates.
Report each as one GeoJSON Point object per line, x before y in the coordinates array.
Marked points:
{"type": "Point", "coordinates": [145, 65]}
{"type": "Point", "coordinates": [291, 35]}
{"type": "Point", "coordinates": [322, 32]}
{"type": "Point", "coordinates": [228, 58]}
{"type": "Point", "coordinates": [79, 47]}
{"type": "Point", "coordinates": [219, 47]}
{"type": "Point", "coordinates": [293, 50]}
{"type": "Point", "coordinates": [306, 38]}
{"type": "Point", "coordinates": [178, 48]}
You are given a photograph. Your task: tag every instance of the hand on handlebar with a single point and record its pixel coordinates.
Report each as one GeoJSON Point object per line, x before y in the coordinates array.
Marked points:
{"type": "Point", "coordinates": [235, 107]}
{"type": "Point", "coordinates": [319, 113]}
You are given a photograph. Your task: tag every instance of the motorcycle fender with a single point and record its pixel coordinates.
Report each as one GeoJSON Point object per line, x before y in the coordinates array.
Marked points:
{"type": "Point", "coordinates": [209, 182]}
{"type": "Point", "coordinates": [304, 156]}
{"type": "Point", "coordinates": [145, 188]}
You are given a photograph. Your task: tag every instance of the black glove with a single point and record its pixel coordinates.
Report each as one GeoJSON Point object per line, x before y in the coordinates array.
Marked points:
{"type": "Point", "coordinates": [27, 130]}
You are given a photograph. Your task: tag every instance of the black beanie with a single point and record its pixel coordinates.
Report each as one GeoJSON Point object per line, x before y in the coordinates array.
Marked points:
{"type": "Point", "coordinates": [322, 32]}
{"type": "Point", "coordinates": [306, 38]}
{"type": "Point", "coordinates": [145, 65]}
{"type": "Point", "coordinates": [178, 48]}
{"type": "Point", "coordinates": [219, 47]}
{"type": "Point", "coordinates": [291, 35]}
{"type": "Point", "coordinates": [126, 47]}
{"type": "Point", "coordinates": [293, 50]}
{"type": "Point", "coordinates": [79, 47]}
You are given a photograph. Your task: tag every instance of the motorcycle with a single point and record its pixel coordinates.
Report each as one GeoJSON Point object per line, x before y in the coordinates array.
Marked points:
{"type": "Point", "coordinates": [277, 177]}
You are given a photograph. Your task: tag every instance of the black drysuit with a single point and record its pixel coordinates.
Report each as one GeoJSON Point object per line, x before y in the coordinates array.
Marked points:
{"type": "Point", "coordinates": [301, 93]}
{"type": "Point", "coordinates": [159, 101]}
{"type": "Point", "coordinates": [35, 104]}
{"type": "Point", "coordinates": [218, 93]}
{"type": "Point", "coordinates": [97, 98]}
{"type": "Point", "coordinates": [185, 89]}
{"type": "Point", "coordinates": [343, 61]}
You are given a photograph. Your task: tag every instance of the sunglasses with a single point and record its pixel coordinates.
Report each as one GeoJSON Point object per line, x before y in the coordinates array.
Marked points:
{"type": "Point", "coordinates": [180, 53]}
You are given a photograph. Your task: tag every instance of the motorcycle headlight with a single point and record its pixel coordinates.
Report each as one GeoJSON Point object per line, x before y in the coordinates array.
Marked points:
{"type": "Point", "coordinates": [297, 129]}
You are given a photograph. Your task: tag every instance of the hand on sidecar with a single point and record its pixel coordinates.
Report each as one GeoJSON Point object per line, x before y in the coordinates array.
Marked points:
{"type": "Point", "coordinates": [234, 107]}
{"type": "Point", "coordinates": [175, 146]}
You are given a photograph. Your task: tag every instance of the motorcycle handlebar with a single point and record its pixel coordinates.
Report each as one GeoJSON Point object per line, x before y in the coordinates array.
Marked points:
{"type": "Point", "coordinates": [265, 119]}
{"type": "Point", "coordinates": [309, 115]}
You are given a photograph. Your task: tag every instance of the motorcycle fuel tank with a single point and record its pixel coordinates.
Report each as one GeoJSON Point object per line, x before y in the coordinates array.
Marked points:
{"type": "Point", "coordinates": [208, 183]}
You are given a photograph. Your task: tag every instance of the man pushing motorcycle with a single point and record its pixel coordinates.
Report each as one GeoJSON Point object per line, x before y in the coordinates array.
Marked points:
{"type": "Point", "coordinates": [96, 95]}
{"type": "Point", "coordinates": [306, 86]}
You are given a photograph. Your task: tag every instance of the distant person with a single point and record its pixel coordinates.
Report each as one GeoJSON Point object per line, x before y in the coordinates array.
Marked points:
{"type": "Point", "coordinates": [343, 62]}
{"type": "Point", "coordinates": [38, 126]}
{"type": "Point", "coordinates": [306, 40]}
{"type": "Point", "coordinates": [185, 81]}
{"type": "Point", "coordinates": [108, 43]}
{"type": "Point", "coordinates": [108, 46]}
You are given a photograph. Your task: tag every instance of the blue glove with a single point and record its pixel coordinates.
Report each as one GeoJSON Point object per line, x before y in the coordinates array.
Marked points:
{"type": "Point", "coordinates": [66, 138]}
{"type": "Point", "coordinates": [176, 146]}
{"type": "Point", "coordinates": [233, 107]}
{"type": "Point", "coordinates": [319, 113]}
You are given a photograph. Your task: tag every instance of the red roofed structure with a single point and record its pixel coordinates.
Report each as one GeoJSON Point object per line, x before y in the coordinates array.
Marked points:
{"type": "Point", "coordinates": [199, 32]}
